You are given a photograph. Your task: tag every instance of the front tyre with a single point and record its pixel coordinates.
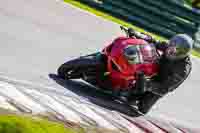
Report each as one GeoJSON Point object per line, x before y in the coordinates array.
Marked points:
{"type": "Point", "coordinates": [68, 71]}
{"type": "Point", "coordinates": [79, 67]}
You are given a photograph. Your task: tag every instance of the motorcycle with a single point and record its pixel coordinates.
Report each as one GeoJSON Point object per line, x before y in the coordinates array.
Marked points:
{"type": "Point", "coordinates": [109, 71]}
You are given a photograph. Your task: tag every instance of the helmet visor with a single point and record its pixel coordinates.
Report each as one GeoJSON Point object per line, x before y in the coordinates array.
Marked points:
{"type": "Point", "coordinates": [175, 53]}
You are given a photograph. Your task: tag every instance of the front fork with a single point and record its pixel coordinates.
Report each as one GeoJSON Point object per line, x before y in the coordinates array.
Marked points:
{"type": "Point", "coordinates": [132, 95]}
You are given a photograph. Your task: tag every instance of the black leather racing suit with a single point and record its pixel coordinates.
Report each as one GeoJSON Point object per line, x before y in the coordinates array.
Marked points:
{"type": "Point", "coordinates": [170, 76]}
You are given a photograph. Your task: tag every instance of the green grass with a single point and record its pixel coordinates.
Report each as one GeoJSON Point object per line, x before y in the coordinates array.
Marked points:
{"type": "Point", "coordinates": [195, 53]}
{"type": "Point", "coordinates": [188, 2]}
{"type": "Point", "coordinates": [22, 124]}
{"type": "Point", "coordinates": [13, 122]}
{"type": "Point", "coordinates": [116, 20]}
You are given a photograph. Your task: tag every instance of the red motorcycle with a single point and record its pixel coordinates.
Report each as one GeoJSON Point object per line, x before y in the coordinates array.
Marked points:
{"type": "Point", "coordinates": [110, 70]}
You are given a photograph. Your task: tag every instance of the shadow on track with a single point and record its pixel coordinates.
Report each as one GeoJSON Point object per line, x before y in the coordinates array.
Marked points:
{"type": "Point", "coordinates": [95, 96]}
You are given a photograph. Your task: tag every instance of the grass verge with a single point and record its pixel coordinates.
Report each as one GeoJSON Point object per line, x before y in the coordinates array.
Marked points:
{"type": "Point", "coordinates": [116, 20]}
{"type": "Point", "coordinates": [18, 122]}
{"type": "Point", "coordinates": [195, 53]}
{"type": "Point", "coordinates": [21, 124]}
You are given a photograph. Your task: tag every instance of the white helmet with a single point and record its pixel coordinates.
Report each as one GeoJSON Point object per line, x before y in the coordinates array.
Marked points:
{"type": "Point", "coordinates": [179, 47]}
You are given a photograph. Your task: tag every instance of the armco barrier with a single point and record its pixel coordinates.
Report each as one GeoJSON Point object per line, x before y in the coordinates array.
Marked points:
{"type": "Point", "coordinates": [174, 10]}
{"type": "Point", "coordinates": [169, 19]}
{"type": "Point", "coordinates": [165, 18]}
{"type": "Point", "coordinates": [144, 14]}
{"type": "Point", "coordinates": [181, 8]}
{"type": "Point", "coordinates": [125, 15]}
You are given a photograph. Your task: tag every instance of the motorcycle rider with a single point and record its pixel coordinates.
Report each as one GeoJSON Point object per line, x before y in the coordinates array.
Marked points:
{"type": "Point", "coordinates": [120, 64]}
{"type": "Point", "coordinates": [175, 66]}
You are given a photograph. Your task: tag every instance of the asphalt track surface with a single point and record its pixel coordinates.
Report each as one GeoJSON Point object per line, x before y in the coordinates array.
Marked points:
{"type": "Point", "coordinates": [36, 37]}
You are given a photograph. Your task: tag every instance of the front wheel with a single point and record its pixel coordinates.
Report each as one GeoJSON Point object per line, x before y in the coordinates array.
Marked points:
{"type": "Point", "coordinates": [79, 67]}
{"type": "Point", "coordinates": [68, 71]}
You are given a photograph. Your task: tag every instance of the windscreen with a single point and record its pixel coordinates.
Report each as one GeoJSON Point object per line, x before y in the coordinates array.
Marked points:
{"type": "Point", "coordinates": [148, 53]}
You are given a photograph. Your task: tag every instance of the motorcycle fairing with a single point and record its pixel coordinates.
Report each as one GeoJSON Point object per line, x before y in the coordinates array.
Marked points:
{"type": "Point", "coordinates": [121, 73]}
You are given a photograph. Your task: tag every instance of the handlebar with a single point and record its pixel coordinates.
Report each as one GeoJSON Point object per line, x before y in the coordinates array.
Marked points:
{"type": "Point", "coordinates": [132, 33]}
{"type": "Point", "coordinates": [127, 31]}
{"type": "Point", "coordinates": [123, 28]}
